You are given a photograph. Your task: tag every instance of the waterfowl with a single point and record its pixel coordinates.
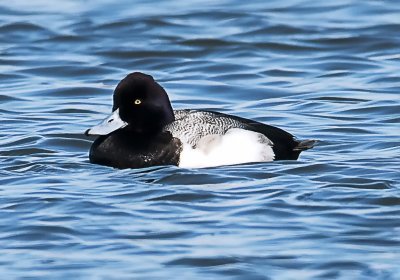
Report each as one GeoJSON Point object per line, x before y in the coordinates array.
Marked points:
{"type": "Point", "coordinates": [143, 130]}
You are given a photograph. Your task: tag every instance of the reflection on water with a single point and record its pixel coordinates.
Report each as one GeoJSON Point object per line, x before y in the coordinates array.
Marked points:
{"type": "Point", "coordinates": [326, 71]}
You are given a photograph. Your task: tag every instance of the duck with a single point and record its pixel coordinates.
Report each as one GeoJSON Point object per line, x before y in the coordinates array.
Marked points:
{"type": "Point", "coordinates": [144, 130]}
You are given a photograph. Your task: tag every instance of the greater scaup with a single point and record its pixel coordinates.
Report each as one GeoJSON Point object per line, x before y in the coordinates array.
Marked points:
{"type": "Point", "coordinates": [143, 130]}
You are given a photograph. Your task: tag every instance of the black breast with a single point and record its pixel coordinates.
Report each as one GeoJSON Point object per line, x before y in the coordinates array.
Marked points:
{"type": "Point", "coordinates": [124, 150]}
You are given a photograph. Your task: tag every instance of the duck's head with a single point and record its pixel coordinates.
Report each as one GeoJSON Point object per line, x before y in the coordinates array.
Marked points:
{"type": "Point", "coordinates": [140, 106]}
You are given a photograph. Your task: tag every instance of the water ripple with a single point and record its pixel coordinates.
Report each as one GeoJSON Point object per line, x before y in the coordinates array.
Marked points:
{"type": "Point", "coordinates": [326, 71]}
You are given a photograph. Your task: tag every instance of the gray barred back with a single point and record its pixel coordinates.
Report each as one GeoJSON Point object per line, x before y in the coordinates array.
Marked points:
{"type": "Point", "coordinates": [192, 125]}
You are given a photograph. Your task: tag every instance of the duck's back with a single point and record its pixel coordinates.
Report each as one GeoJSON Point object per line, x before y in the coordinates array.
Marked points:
{"type": "Point", "coordinates": [192, 125]}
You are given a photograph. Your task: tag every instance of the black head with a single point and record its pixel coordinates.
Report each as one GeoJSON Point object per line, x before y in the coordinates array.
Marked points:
{"type": "Point", "coordinates": [143, 104]}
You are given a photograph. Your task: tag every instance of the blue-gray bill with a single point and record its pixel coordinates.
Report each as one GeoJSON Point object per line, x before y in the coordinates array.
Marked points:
{"type": "Point", "coordinates": [110, 124]}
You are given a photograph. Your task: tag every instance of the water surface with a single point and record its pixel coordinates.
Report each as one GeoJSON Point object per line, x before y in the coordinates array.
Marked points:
{"type": "Point", "coordinates": [326, 71]}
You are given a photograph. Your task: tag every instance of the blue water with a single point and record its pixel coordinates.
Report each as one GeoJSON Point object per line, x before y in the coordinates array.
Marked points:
{"type": "Point", "coordinates": [321, 70]}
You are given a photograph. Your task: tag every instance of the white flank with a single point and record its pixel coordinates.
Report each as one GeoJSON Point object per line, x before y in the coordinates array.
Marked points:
{"type": "Point", "coordinates": [236, 146]}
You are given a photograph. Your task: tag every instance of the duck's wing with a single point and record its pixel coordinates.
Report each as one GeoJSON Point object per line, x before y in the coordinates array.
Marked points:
{"type": "Point", "coordinates": [285, 145]}
{"type": "Point", "coordinates": [192, 125]}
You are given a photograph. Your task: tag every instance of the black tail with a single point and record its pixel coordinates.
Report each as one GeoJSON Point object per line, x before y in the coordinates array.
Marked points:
{"type": "Point", "coordinates": [304, 145]}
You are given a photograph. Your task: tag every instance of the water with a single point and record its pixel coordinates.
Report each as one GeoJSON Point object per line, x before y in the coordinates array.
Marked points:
{"type": "Point", "coordinates": [326, 71]}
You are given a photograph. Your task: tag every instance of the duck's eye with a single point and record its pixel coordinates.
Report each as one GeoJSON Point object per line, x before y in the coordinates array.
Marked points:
{"type": "Point", "coordinates": [138, 101]}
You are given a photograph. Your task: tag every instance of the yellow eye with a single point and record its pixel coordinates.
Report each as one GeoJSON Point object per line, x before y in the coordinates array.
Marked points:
{"type": "Point", "coordinates": [138, 101]}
